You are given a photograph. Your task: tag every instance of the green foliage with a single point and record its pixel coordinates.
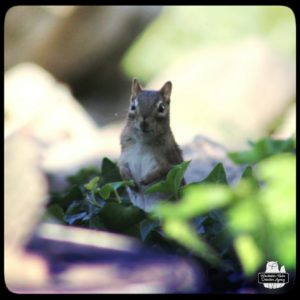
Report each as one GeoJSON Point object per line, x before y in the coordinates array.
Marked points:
{"type": "Point", "coordinates": [248, 224]}
{"type": "Point", "coordinates": [250, 255]}
{"type": "Point", "coordinates": [186, 235]}
{"type": "Point", "coordinates": [92, 185]}
{"type": "Point", "coordinates": [217, 175]}
{"type": "Point", "coordinates": [172, 183]}
{"type": "Point", "coordinates": [110, 171]}
{"type": "Point", "coordinates": [146, 226]}
{"type": "Point", "coordinates": [119, 217]}
{"type": "Point", "coordinates": [106, 190]}
{"type": "Point", "coordinates": [256, 210]}
{"type": "Point", "coordinates": [54, 212]}
{"type": "Point", "coordinates": [262, 149]}
{"type": "Point", "coordinates": [83, 175]}
{"type": "Point", "coordinates": [95, 199]}
{"type": "Point", "coordinates": [195, 201]}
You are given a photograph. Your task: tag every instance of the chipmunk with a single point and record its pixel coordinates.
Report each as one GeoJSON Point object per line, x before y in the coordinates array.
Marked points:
{"type": "Point", "coordinates": [148, 147]}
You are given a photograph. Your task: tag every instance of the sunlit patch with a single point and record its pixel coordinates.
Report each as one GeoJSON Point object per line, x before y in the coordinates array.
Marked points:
{"type": "Point", "coordinates": [83, 236]}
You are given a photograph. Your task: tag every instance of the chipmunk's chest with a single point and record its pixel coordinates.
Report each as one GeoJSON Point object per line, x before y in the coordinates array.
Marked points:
{"type": "Point", "coordinates": [141, 160]}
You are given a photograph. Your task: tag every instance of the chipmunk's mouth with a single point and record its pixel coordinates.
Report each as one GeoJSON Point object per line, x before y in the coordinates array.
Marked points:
{"type": "Point", "coordinates": [146, 130]}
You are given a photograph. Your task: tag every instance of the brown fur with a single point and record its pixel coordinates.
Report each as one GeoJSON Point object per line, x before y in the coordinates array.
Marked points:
{"type": "Point", "coordinates": [147, 136]}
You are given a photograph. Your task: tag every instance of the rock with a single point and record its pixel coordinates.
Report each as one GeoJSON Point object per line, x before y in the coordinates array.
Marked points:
{"type": "Point", "coordinates": [230, 93]}
{"type": "Point", "coordinates": [25, 189]}
{"type": "Point", "coordinates": [35, 101]}
{"type": "Point", "coordinates": [34, 98]}
{"type": "Point", "coordinates": [26, 28]}
{"type": "Point", "coordinates": [70, 41]}
{"type": "Point", "coordinates": [204, 155]}
{"type": "Point", "coordinates": [66, 136]}
{"type": "Point", "coordinates": [25, 194]}
{"type": "Point", "coordinates": [287, 125]}
{"type": "Point", "coordinates": [88, 261]}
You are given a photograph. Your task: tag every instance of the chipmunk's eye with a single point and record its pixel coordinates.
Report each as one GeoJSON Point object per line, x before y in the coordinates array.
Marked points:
{"type": "Point", "coordinates": [132, 107]}
{"type": "Point", "coordinates": [161, 108]}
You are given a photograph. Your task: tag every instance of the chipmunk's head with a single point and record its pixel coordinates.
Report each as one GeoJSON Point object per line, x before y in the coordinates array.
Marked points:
{"type": "Point", "coordinates": [149, 109]}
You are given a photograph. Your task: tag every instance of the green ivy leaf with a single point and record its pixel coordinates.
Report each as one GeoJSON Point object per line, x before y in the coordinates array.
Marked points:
{"type": "Point", "coordinates": [83, 175]}
{"type": "Point", "coordinates": [117, 216]}
{"type": "Point", "coordinates": [105, 191]}
{"type": "Point", "coordinates": [184, 234]}
{"type": "Point", "coordinates": [172, 183]}
{"type": "Point", "coordinates": [71, 219]}
{"type": "Point", "coordinates": [133, 231]}
{"type": "Point", "coordinates": [92, 185]}
{"type": "Point", "coordinates": [76, 211]}
{"type": "Point", "coordinates": [278, 199]}
{"type": "Point", "coordinates": [217, 175]}
{"type": "Point", "coordinates": [249, 253]}
{"type": "Point", "coordinates": [146, 226]}
{"type": "Point", "coordinates": [64, 199]}
{"type": "Point", "coordinates": [242, 219]}
{"type": "Point", "coordinates": [197, 200]}
{"type": "Point", "coordinates": [95, 222]}
{"type": "Point", "coordinates": [249, 175]}
{"type": "Point", "coordinates": [160, 186]}
{"type": "Point", "coordinates": [54, 210]}
{"type": "Point", "coordinates": [175, 177]}
{"type": "Point", "coordinates": [110, 171]}
{"type": "Point", "coordinates": [108, 188]}
{"type": "Point", "coordinates": [120, 184]}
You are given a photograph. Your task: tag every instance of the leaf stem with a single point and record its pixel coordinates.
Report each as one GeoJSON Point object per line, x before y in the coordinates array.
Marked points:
{"type": "Point", "coordinates": [94, 201]}
{"type": "Point", "coordinates": [117, 196]}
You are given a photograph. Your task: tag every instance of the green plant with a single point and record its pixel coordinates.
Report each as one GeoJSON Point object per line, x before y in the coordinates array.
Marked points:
{"type": "Point", "coordinates": [220, 225]}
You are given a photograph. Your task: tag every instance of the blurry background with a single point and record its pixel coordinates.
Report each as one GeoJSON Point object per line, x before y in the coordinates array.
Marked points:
{"type": "Point", "coordinates": [68, 72]}
{"type": "Point", "coordinates": [232, 68]}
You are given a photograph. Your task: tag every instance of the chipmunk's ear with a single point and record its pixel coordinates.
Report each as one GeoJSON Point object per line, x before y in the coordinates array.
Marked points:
{"type": "Point", "coordinates": [135, 87]}
{"type": "Point", "coordinates": [166, 90]}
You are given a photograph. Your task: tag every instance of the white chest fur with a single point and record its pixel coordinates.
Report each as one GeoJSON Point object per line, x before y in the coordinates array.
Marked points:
{"type": "Point", "coordinates": [140, 159]}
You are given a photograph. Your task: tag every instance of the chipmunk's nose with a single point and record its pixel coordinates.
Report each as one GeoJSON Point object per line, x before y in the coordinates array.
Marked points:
{"type": "Point", "coordinates": [144, 125]}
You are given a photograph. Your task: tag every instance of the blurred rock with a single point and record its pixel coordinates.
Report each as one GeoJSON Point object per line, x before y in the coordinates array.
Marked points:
{"type": "Point", "coordinates": [74, 41]}
{"type": "Point", "coordinates": [287, 124]}
{"type": "Point", "coordinates": [26, 28]}
{"type": "Point", "coordinates": [24, 270]}
{"type": "Point", "coordinates": [25, 194]}
{"type": "Point", "coordinates": [204, 155]}
{"type": "Point", "coordinates": [65, 134]}
{"type": "Point", "coordinates": [34, 97]}
{"type": "Point", "coordinates": [230, 93]}
{"type": "Point", "coordinates": [36, 101]}
{"type": "Point", "coordinates": [89, 261]}
{"type": "Point", "coordinates": [25, 189]}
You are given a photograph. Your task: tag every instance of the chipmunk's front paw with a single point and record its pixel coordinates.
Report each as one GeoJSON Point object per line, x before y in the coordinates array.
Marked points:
{"type": "Point", "coordinates": [143, 182]}
{"type": "Point", "coordinates": [125, 172]}
{"type": "Point", "coordinates": [146, 180]}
